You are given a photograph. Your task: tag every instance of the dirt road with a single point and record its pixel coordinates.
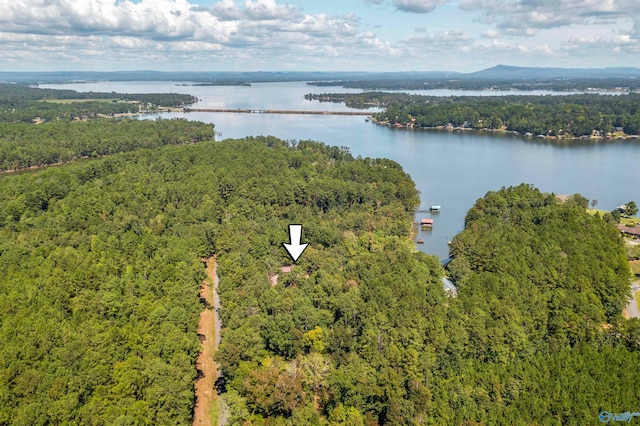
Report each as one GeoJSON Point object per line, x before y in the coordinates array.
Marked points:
{"type": "Point", "coordinates": [209, 332]}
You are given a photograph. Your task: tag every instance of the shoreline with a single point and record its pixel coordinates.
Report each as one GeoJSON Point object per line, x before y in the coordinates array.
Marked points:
{"type": "Point", "coordinates": [619, 138]}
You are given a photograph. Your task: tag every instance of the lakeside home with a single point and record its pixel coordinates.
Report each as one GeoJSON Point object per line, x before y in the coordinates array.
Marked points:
{"type": "Point", "coordinates": [632, 231]}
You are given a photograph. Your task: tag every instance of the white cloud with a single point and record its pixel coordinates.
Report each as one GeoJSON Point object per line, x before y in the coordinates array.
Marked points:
{"type": "Point", "coordinates": [602, 46]}
{"type": "Point", "coordinates": [194, 46]}
{"type": "Point", "coordinates": [537, 50]}
{"type": "Point", "coordinates": [270, 10]}
{"type": "Point", "coordinates": [526, 17]}
{"type": "Point", "coordinates": [437, 44]}
{"type": "Point", "coordinates": [162, 19]}
{"type": "Point", "coordinates": [417, 6]}
{"type": "Point", "coordinates": [125, 42]}
{"type": "Point", "coordinates": [270, 34]}
{"type": "Point", "coordinates": [491, 34]}
{"type": "Point", "coordinates": [479, 4]}
{"type": "Point", "coordinates": [226, 10]}
{"type": "Point", "coordinates": [165, 28]}
{"type": "Point", "coordinates": [166, 20]}
{"type": "Point", "coordinates": [635, 30]}
{"type": "Point", "coordinates": [411, 6]}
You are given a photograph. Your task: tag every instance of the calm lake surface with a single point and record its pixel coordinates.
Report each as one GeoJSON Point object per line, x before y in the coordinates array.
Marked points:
{"type": "Point", "coordinates": [452, 169]}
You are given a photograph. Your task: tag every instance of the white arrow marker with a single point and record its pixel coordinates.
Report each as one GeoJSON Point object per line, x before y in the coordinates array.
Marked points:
{"type": "Point", "coordinates": [295, 249]}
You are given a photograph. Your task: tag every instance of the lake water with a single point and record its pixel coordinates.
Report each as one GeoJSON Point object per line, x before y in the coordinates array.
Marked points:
{"type": "Point", "coordinates": [452, 169]}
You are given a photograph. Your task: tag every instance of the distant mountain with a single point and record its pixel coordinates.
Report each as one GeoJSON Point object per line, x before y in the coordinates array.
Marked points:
{"type": "Point", "coordinates": [507, 72]}
{"type": "Point", "coordinates": [503, 73]}
{"type": "Point", "coordinates": [218, 76]}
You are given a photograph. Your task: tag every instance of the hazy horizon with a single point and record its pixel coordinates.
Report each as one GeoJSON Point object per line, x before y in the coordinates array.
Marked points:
{"type": "Point", "coordinates": [301, 71]}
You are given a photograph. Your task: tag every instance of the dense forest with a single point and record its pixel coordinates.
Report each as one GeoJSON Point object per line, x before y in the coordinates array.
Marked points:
{"type": "Point", "coordinates": [564, 116]}
{"type": "Point", "coordinates": [26, 145]}
{"type": "Point", "coordinates": [20, 103]}
{"type": "Point", "coordinates": [372, 338]}
{"type": "Point", "coordinates": [100, 264]}
{"type": "Point", "coordinates": [462, 82]}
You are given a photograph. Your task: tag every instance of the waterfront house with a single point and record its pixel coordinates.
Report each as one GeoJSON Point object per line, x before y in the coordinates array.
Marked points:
{"type": "Point", "coordinates": [632, 231]}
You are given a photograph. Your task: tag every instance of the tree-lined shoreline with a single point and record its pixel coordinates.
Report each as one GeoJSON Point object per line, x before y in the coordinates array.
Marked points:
{"type": "Point", "coordinates": [559, 117]}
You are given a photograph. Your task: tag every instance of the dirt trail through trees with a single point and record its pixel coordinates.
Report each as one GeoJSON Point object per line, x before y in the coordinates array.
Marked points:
{"type": "Point", "coordinates": [209, 331]}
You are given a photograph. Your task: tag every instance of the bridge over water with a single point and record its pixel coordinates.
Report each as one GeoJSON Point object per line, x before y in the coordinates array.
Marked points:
{"type": "Point", "coordinates": [276, 111]}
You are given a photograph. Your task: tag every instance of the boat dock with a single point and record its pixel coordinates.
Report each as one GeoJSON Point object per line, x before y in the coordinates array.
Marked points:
{"type": "Point", "coordinates": [426, 224]}
{"type": "Point", "coordinates": [276, 111]}
{"type": "Point", "coordinates": [432, 209]}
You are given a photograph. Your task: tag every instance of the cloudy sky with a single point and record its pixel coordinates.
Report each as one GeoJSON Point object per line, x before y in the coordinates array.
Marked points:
{"type": "Point", "coordinates": [325, 35]}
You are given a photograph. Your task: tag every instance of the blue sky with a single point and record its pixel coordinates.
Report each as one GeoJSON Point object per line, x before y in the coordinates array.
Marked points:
{"type": "Point", "coordinates": [347, 35]}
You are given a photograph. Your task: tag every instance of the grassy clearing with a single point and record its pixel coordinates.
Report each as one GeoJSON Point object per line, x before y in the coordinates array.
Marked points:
{"type": "Point", "coordinates": [71, 101]}
{"type": "Point", "coordinates": [635, 267]}
{"type": "Point", "coordinates": [629, 221]}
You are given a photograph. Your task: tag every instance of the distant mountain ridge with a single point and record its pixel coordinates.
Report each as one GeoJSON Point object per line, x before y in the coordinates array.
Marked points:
{"type": "Point", "coordinates": [512, 72]}
{"type": "Point", "coordinates": [499, 72]}
{"type": "Point", "coordinates": [219, 76]}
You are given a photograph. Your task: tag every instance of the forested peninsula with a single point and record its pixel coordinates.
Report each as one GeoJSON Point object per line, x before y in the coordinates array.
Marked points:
{"type": "Point", "coordinates": [100, 266]}
{"type": "Point", "coordinates": [71, 125]}
{"type": "Point", "coordinates": [461, 82]}
{"type": "Point", "coordinates": [563, 117]}
{"type": "Point", "coordinates": [21, 103]}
